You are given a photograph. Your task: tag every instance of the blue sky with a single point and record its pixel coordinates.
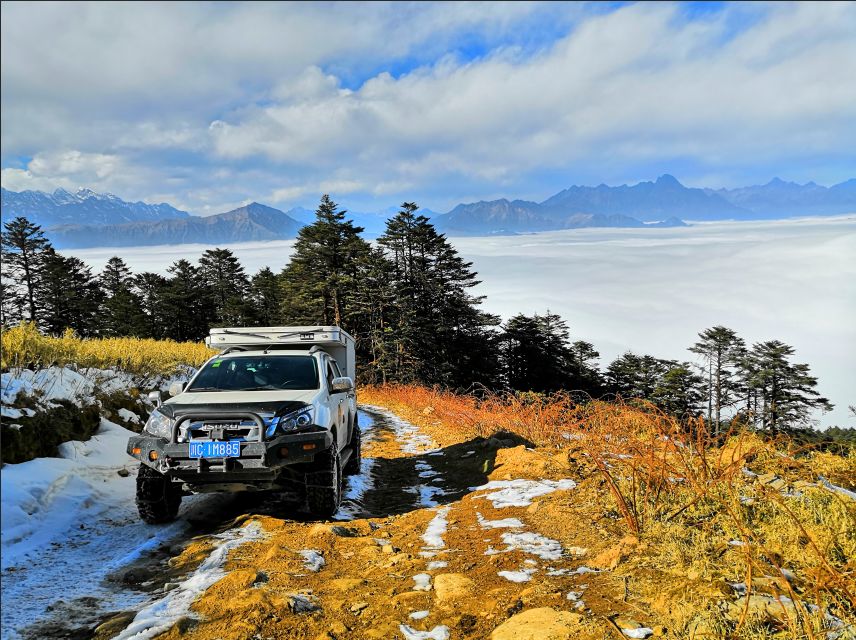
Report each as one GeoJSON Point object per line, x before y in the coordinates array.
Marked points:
{"type": "Point", "coordinates": [212, 105]}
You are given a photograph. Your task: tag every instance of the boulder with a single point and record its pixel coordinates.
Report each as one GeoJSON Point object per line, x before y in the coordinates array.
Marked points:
{"type": "Point", "coordinates": [539, 624]}
{"type": "Point", "coordinates": [452, 586]}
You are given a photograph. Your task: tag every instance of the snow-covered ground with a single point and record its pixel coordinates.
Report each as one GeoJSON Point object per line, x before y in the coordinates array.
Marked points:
{"type": "Point", "coordinates": [69, 522]}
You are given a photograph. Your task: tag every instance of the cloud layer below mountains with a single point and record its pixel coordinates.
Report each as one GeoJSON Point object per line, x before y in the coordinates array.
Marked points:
{"type": "Point", "coordinates": [652, 290]}
{"type": "Point", "coordinates": [207, 106]}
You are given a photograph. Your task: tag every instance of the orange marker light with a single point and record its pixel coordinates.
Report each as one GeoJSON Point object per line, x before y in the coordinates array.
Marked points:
{"type": "Point", "coordinates": [283, 452]}
{"type": "Point", "coordinates": [136, 451]}
{"type": "Point", "coordinates": [153, 455]}
{"type": "Point", "coordinates": [308, 447]}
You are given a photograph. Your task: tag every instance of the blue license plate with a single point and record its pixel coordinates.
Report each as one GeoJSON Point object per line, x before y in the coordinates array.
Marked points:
{"type": "Point", "coordinates": [231, 449]}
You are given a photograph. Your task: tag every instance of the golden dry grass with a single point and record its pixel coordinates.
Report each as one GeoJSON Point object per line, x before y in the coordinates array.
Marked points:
{"type": "Point", "coordinates": [24, 347]}
{"type": "Point", "coordinates": [738, 508]}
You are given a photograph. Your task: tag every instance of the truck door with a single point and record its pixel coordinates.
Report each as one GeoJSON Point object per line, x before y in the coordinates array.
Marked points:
{"type": "Point", "coordinates": [338, 406]}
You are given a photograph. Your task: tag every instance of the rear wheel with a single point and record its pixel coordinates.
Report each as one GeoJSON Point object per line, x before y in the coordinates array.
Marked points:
{"type": "Point", "coordinates": [353, 466]}
{"type": "Point", "coordinates": [324, 484]}
{"type": "Point", "coordinates": [158, 498]}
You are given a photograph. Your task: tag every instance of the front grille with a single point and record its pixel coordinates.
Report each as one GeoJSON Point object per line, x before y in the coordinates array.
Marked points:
{"type": "Point", "coordinates": [221, 431]}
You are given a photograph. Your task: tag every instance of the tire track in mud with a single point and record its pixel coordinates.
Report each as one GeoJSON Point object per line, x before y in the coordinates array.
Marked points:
{"type": "Point", "coordinates": [74, 585]}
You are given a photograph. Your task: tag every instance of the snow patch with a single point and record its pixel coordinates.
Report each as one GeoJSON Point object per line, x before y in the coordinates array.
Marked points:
{"type": "Point", "coordinates": [423, 582]}
{"type": "Point", "coordinates": [437, 564]}
{"type": "Point", "coordinates": [433, 535]}
{"type": "Point", "coordinates": [312, 559]}
{"type": "Point", "coordinates": [840, 490]}
{"type": "Point", "coordinates": [506, 523]}
{"type": "Point", "coordinates": [639, 632]}
{"type": "Point", "coordinates": [419, 615]}
{"type": "Point", "coordinates": [519, 493]}
{"type": "Point", "coordinates": [440, 632]}
{"type": "Point", "coordinates": [162, 614]}
{"type": "Point", "coordinates": [128, 416]}
{"type": "Point", "coordinates": [532, 543]}
{"type": "Point", "coordinates": [524, 575]}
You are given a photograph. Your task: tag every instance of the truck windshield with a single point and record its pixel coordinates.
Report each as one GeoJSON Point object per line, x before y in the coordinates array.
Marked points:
{"type": "Point", "coordinates": [257, 373]}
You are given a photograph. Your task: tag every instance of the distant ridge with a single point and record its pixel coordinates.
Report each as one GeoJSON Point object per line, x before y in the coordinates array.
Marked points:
{"type": "Point", "coordinates": [665, 202]}
{"type": "Point", "coordinates": [63, 207]}
{"type": "Point", "coordinates": [253, 222]}
{"type": "Point", "coordinates": [88, 219]}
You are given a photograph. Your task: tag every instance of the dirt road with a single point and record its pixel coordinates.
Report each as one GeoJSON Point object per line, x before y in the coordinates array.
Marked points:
{"type": "Point", "coordinates": [476, 538]}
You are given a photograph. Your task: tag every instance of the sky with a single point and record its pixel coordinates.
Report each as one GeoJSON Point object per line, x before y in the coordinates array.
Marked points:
{"type": "Point", "coordinates": [209, 106]}
{"type": "Point", "coordinates": [653, 290]}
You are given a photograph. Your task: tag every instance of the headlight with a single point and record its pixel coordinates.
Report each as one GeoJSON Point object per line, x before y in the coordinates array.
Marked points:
{"type": "Point", "coordinates": [159, 425]}
{"type": "Point", "coordinates": [291, 421]}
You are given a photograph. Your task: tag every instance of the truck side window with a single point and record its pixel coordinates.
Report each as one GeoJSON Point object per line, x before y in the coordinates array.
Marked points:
{"type": "Point", "coordinates": [330, 376]}
{"type": "Point", "coordinates": [336, 369]}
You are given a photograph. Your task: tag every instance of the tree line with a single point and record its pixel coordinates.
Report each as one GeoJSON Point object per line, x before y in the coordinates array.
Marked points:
{"type": "Point", "coordinates": [408, 300]}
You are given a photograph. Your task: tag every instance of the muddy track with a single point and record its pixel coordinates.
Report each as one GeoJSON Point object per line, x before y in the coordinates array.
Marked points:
{"type": "Point", "coordinates": [386, 486]}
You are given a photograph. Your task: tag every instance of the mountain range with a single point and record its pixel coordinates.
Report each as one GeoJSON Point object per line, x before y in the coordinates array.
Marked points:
{"type": "Point", "coordinates": [88, 219]}
{"type": "Point", "coordinates": [665, 202]}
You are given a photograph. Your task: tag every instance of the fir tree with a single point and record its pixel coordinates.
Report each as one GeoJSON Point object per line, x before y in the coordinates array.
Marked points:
{"type": "Point", "coordinates": [266, 297]}
{"type": "Point", "coordinates": [222, 275]}
{"type": "Point", "coordinates": [152, 290]}
{"type": "Point", "coordinates": [185, 303]}
{"type": "Point", "coordinates": [70, 296]}
{"type": "Point", "coordinates": [24, 248]}
{"type": "Point", "coordinates": [319, 281]}
{"type": "Point", "coordinates": [122, 312]}
{"type": "Point", "coordinates": [787, 390]}
{"type": "Point", "coordinates": [680, 391]}
{"type": "Point", "coordinates": [722, 351]}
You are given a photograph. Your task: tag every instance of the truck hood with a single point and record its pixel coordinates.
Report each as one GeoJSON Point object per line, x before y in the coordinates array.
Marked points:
{"type": "Point", "coordinates": [265, 403]}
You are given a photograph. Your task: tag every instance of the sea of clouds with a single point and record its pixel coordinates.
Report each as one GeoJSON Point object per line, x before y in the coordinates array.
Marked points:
{"type": "Point", "coordinates": [653, 290]}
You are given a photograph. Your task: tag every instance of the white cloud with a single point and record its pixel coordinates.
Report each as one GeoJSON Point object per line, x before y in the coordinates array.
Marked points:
{"type": "Point", "coordinates": [66, 169]}
{"type": "Point", "coordinates": [265, 95]}
{"type": "Point", "coordinates": [637, 83]}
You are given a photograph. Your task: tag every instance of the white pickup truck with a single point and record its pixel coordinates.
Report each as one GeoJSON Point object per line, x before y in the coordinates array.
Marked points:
{"type": "Point", "coordinates": [276, 408]}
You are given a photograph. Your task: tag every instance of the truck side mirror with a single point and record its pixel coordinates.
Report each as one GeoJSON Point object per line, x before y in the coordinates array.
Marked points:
{"type": "Point", "coordinates": [155, 398]}
{"type": "Point", "coordinates": [341, 384]}
{"type": "Point", "coordinates": [175, 388]}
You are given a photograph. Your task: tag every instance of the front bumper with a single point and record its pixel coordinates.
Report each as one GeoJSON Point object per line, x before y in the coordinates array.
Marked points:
{"type": "Point", "coordinates": [258, 462]}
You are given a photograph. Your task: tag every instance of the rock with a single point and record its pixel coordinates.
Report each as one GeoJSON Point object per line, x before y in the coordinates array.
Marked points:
{"type": "Point", "coordinates": [539, 624]}
{"type": "Point", "coordinates": [781, 609]}
{"type": "Point", "coordinates": [388, 548]}
{"type": "Point", "coordinates": [123, 472]}
{"type": "Point", "coordinates": [137, 576]}
{"type": "Point", "coordinates": [338, 628]}
{"type": "Point", "coordinates": [632, 629]}
{"type": "Point", "coordinates": [452, 586]}
{"type": "Point", "coordinates": [357, 607]}
{"type": "Point", "coordinates": [345, 584]}
{"type": "Point", "coordinates": [301, 604]}
{"type": "Point", "coordinates": [702, 630]}
{"type": "Point", "coordinates": [344, 532]}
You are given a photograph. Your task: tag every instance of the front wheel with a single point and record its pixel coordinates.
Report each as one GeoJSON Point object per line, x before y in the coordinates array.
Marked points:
{"type": "Point", "coordinates": [324, 484]}
{"type": "Point", "coordinates": [158, 498]}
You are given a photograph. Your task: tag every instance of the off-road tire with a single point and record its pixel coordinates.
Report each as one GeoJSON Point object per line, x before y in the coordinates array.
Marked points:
{"type": "Point", "coordinates": [353, 466]}
{"type": "Point", "coordinates": [158, 498]}
{"type": "Point", "coordinates": [324, 484]}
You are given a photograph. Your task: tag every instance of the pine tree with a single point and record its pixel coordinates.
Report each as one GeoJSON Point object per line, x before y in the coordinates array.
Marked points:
{"type": "Point", "coordinates": [24, 248]}
{"type": "Point", "coordinates": [122, 313]}
{"type": "Point", "coordinates": [722, 351]}
{"type": "Point", "coordinates": [222, 275]}
{"type": "Point", "coordinates": [537, 355]}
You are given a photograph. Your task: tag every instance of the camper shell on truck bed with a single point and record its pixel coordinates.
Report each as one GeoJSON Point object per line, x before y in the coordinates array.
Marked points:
{"type": "Point", "coordinates": [276, 409]}
{"type": "Point", "coordinates": [333, 340]}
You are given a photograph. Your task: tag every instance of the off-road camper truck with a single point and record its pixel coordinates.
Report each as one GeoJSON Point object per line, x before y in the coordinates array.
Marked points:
{"type": "Point", "coordinates": [276, 408]}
